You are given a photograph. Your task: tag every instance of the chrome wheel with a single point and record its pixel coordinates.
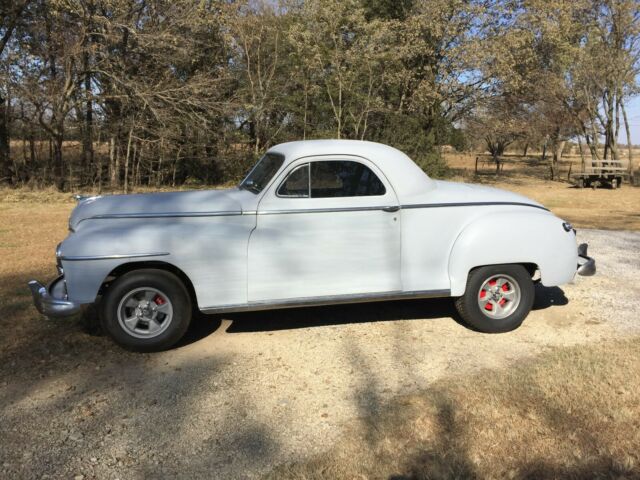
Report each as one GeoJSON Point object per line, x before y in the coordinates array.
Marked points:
{"type": "Point", "coordinates": [499, 296]}
{"type": "Point", "coordinates": [145, 312]}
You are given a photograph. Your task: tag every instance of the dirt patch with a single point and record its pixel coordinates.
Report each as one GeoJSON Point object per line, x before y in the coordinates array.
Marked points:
{"type": "Point", "coordinates": [249, 391]}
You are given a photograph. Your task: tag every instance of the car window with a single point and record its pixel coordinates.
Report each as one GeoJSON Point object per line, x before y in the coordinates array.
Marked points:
{"type": "Point", "coordinates": [296, 184]}
{"type": "Point", "coordinates": [343, 179]}
{"type": "Point", "coordinates": [262, 173]}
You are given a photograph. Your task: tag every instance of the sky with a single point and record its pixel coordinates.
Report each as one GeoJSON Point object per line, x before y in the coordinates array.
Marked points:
{"type": "Point", "coordinates": [633, 113]}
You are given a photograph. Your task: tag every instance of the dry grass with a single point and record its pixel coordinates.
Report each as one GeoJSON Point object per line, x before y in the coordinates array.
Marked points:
{"type": "Point", "coordinates": [602, 208]}
{"type": "Point", "coordinates": [29, 232]}
{"type": "Point", "coordinates": [573, 413]}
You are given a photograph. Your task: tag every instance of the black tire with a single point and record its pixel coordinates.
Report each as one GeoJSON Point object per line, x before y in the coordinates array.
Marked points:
{"type": "Point", "coordinates": [469, 308]}
{"type": "Point", "coordinates": [159, 280]}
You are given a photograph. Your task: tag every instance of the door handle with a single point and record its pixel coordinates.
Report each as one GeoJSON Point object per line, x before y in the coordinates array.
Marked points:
{"type": "Point", "coordinates": [391, 209]}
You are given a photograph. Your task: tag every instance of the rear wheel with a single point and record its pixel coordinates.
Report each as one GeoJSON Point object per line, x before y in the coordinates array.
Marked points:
{"type": "Point", "coordinates": [146, 310]}
{"type": "Point", "coordinates": [614, 183]}
{"type": "Point", "coordinates": [497, 298]}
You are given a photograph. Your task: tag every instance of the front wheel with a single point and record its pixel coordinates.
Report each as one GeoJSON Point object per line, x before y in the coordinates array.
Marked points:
{"type": "Point", "coordinates": [497, 298]}
{"type": "Point", "coordinates": [146, 310]}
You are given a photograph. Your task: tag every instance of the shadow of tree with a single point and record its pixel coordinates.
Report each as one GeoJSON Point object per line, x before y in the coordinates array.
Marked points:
{"type": "Point", "coordinates": [67, 397]}
{"type": "Point", "coordinates": [528, 422]}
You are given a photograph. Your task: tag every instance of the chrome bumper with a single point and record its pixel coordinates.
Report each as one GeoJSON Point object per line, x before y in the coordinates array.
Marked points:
{"type": "Point", "coordinates": [586, 264]}
{"type": "Point", "coordinates": [52, 300]}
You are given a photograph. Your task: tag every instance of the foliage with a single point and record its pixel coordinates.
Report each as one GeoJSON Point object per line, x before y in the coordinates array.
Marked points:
{"type": "Point", "coordinates": [157, 92]}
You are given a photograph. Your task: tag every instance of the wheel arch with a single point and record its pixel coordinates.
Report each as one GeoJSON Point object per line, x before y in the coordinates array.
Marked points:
{"type": "Point", "coordinates": [128, 267]}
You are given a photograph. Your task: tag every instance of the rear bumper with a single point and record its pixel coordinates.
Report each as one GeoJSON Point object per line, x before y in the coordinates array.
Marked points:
{"type": "Point", "coordinates": [52, 300]}
{"type": "Point", "coordinates": [586, 264]}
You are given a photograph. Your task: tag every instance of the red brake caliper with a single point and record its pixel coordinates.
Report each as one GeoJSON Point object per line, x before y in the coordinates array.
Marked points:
{"type": "Point", "coordinates": [505, 288]}
{"type": "Point", "coordinates": [159, 300]}
{"type": "Point", "coordinates": [487, 306]}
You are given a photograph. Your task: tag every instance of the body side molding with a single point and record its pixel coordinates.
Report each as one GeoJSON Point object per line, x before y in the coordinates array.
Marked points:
{"type": "Point", "coordinates": [112, 257]}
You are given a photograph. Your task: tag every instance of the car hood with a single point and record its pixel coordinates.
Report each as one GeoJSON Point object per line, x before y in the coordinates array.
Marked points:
{"type": "Point", "coordinates": [456, 193]}
{"type": "Point", "coordinates": [156, 204]}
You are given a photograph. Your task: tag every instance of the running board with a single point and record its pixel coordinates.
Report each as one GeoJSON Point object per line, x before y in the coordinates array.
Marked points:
{"type": "Point", "coordinates": [327, 300]}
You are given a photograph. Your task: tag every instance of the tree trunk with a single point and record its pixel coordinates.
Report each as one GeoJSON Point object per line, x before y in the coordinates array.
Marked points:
{"type": "Point", "coordinates": [557, 155]}
{"type": "Point", "coordinates": [57, 161]}
{"type": "Point", "coordinates": [87, 137]}
{"type": "Point", "coordinates": [629, 143]}
{"type": "Point", "coordinates": [126, 162]}
{"type": "Point", "coordinates": [583, 161]}
{"type": "Point", "coordinates": [5, 160]}
{"type": "Point", "coordinates": [175, 167]}
{"type": "Point", "coordinates": [114, 164]}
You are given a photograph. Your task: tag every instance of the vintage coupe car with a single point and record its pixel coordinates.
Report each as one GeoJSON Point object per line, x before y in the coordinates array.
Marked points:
{"type": "Point", "coordinates": [314, 223]}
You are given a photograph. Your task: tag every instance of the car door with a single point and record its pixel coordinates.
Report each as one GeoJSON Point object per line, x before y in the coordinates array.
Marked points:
{"type": "Point", "coordinates": [328, 226]}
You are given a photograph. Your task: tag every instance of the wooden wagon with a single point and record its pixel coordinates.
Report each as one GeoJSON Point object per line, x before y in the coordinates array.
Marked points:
{"type": "Point", "coordinates": [602, 172]}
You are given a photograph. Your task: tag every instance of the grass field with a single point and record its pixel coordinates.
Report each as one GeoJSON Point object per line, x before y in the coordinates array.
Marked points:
{"type": "Point", "coordinates": [602, 208]}
{"type": "Point", "coordinates": [572, 413]}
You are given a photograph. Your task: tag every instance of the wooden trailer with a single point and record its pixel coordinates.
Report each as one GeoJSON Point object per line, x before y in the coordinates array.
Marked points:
{"type": "Point", "coordinates": [601, 173]}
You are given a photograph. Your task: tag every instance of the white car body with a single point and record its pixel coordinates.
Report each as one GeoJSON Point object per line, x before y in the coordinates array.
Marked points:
{"type": "Point", "coordinates": [240, 250]}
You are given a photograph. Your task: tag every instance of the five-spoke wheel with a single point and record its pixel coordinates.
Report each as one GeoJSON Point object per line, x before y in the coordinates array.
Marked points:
{"type": "Point", "coordinates": [146, 310]}
{"type": "Point", "coordinates": [497, 298]}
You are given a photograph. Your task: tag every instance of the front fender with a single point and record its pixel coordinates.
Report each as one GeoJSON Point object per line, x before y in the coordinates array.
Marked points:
{"type": "Point", "coordinates": [88, 255]}
{"type": "Point", "coordinates": [534, 237]}
{"type": "Point", "coordinates": [210, 251]}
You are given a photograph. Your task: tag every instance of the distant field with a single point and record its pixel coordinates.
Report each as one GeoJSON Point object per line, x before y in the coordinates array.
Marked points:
{"type": "Point", "coordinates": [602, 208]}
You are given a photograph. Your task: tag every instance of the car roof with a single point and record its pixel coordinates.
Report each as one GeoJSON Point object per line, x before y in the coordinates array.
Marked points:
{"type": "Point", "coordinates": [406, 178]}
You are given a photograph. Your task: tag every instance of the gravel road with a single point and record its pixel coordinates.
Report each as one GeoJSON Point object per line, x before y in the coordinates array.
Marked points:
{"type": "Point", "coordinates": [248, 391]}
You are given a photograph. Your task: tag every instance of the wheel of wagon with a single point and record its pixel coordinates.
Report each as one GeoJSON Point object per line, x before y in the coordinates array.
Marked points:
{"type": "Point", "coordinates": [146, 310]}
{"type": "Point", "coordinates": [619, 182]}
{"type": "Point", "coordinates": [497, 298]}
{"type": "Point", "coordinates": [614, 183]}
{"type": "Point", "coordinates": [580, 183]}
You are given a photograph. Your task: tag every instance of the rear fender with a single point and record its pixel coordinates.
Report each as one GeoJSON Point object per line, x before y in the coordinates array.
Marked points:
{"type": "Point", "coordinates": [514, 237]}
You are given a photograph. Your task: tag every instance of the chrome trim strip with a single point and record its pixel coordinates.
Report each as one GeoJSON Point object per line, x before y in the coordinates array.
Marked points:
{"type": "Point", "coordinates": [113, 257]}
{"type": "Point", "coordinates": [309, 210]}
{"type": "Point", "coordinates": [327, 300]}
{"type": "Point", "coordinates": [391, 208]}
{"type": "Point", "coordinates": [470, 204]}
{"type": "Point", "coordinates": [326, 210]}
{"type": "Point", "coordinates": [164, 215]}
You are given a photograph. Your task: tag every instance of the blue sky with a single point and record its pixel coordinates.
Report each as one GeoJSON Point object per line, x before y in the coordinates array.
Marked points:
{"type": "Point", "coordinates": [633, 112]}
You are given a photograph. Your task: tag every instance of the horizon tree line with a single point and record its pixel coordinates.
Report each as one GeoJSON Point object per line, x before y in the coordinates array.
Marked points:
{"type": "Point", "coordinates": [159, 92]}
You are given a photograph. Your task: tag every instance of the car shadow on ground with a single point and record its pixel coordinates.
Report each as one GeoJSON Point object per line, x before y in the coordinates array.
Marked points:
{"type": "Point", "coordinates": [310, 317]}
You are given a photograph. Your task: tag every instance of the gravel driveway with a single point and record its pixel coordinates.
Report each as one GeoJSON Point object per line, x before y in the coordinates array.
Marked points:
{"type": "Point", "coordinates": [249, 391]}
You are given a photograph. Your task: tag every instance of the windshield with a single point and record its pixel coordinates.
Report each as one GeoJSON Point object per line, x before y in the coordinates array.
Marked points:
{"type": "Point", "coordinates": [264, 171]}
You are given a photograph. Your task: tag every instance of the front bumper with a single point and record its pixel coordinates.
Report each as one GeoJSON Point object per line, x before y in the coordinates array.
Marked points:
{"type": "Point", "coordinates": [52, 300]}
{"type": "Point", "coordinates": [586, 264]}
